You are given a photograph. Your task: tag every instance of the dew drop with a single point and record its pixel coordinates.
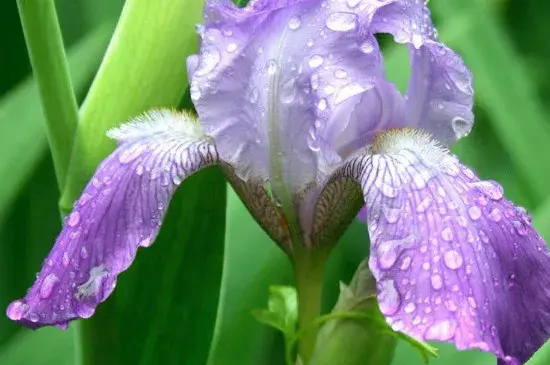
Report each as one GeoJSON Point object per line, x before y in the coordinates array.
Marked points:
{"type": "Point", "coordinates": [47, 285]}
{"type": "Point", "coordinates": [474, 212]}
{"type": "Point", "coordinates": [447, 234]}
{"type": "Point", "coordinates": [492, 189]}
{"type": "Point", "coordinates": [210, 58]}
{"type": "Point", "coordinates": [424, 204]}
{"type": "Point", "coordinates": [254, 95]}
{"type": "Point", "coordinates": [450, 305]}
{"type": "Point", "coordinates": [340, 74]}
{"type": "Point", "coordinates": [495, 215]}
{"type": "Point", "coordinates": [271, 67]}
{"type": "Point", "coordinates": [17, 310]}
{"type": "Point", "coordinates": [83, 253]}
{"type": "Point", "coordinates": [322, 104]}
{"type": "Point", "coordinates": [65, 260]}
{"type": "Point", "coordinates": [389, 297]}
{"type": "Point", "coordinates": [436, 281]}
{"type": "Point", "coordinates": [294, 22]}
{"type": "Point", "coordinates": [387, 252]}
{"type": "Point", "coordinates": [367, 47]}
{"type": "Point", "coordinates": [406, 263]}
{"type": "Point", "coordinates": [33, 317]}
{"type": "Point", "coordinates": [441, 331]}
{"type": "Point", "coordinates": [316, 61]}
{"type": "Point", "coordinates": [74, 218]}
{"type": "Point", "coordinates": [410, 307]}
{"type": "Point", "coordinates": [453, 259]}
{"type": "Point", "coordinates": [231, 47]}
{"type": "Point", "coordinates": [341, 22]}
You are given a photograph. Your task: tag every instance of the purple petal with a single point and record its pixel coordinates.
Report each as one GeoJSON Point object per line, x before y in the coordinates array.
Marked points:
{"type": "Point", "coordinates": [272, 75]}
{"type": "Point", "coordinates": [440, 94]}
{"type": "Point", "coordinates": [454, 260]}
{"type": "Point", "coordinates": [120, 210]}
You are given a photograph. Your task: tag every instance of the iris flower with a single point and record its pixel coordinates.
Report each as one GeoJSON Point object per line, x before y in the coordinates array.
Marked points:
{"type": "Point", "coordinates": [293, 104]}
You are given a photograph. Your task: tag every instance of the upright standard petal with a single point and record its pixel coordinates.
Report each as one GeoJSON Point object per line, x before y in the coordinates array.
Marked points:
{"type": "Point", "coordinates": [267, 76]}
{"type": "Point", "coordinates": [453, 259]}
{"type": "Point", "coordinates": [121, 209]}
{"type": "Point", "coordinates": [440, 94]}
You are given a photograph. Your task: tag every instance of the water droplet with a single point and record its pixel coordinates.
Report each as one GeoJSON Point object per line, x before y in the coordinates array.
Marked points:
{"type": "Point", "coordinates": [254, 95]}
{"type": "Point", "coordinates": [17, 310]}
{"type": "Point", "coordinates": [474, 212]}
{"type": "Point", "coordinates": [210, 58]}
{"type": "Point", "coordinates": [232, 47]}
{"type": "Point", "coordinates": [410, 307]}
{"type": "Point", "coordinates": [146, 242]}
{"type": "Point", "coordinates": [367, 47]}
{"type": "Point", "coordinates": [450, 305]}
{"type": "Point", "coordinates": [436, 281]}
{"type": "Point", "coordinates": [287, 91]}
{"type": "Point", "coordinates": [33, 317]}
{"type": "Point", "coordinates": [447, 234]}
{"type": "Point", "coordinates": [406, 263]}
{"type": "Point", "coordinates": [341, 22]}
{"type": "Point", "coordinates": [84, 253]}
{"type": "Point", "coordinates": [195, 93]}
{"type": "Point", "coordinates": [388, 251]}
{"type": "Point", "coordinates": [65, 260]}
{"type": "Point", "coordinates": [271, 67]}
{"type": "Point", "coordinates": [310, 43]}
{"type": "Point", "coordinates": [389, 298]}
{"type": "Point", "coordinates": [492, 189]}
{"type": "Point", "coordinates": [495, 215]}
{"type": "Point", "coordinates": [316, 61]}
{"type": "Point", "coordinates": [322, 104]}
{"type": "Point", "coordinates": [426, 266]}
{"type": "Point", "coordinates": [340, 74]}
{"type": "Point", "coordinates": [521, 228]}
{"type": "Point", "coordinates": [472, 302]}
{"type": "Point", "coordinates": [453, 259]}
{"type": "Point", "coordinates": [294, 22]}
{"type": "Point", "coordinates": [424, 204]}
{"type": "Point", "coordinates": [74, 218]}
{"type": "Point", "coordinates": [139, 170]}
{"type": "Point", "coordinates": [441, 331]}
{"type": "Point", "coordinates": [47, 285]}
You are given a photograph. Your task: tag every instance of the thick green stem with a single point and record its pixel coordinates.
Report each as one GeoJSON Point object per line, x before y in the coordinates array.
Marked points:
{"type": "Point", "coordinates": [49, 64]}
{"type": "Point", "coordinates": [309, 274]}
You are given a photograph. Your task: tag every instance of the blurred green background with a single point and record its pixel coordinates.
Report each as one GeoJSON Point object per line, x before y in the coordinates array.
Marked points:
{"type": "Point", "coordinates": [166, 310]}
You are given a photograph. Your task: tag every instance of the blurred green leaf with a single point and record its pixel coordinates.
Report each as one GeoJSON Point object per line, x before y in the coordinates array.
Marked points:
{"type": "Point", "coordinates": [167, 301]}
{"type": "Point", "coordinates": [49, 346]}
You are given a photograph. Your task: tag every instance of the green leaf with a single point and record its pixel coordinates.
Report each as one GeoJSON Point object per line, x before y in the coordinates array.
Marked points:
{"type": "Point", "coordinates": [167, 301]}
{"type": "Point", "coordinates": [282, 310]}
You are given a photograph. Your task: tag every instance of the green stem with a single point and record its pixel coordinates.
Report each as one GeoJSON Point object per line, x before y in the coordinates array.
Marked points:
{"type": "Point", "coordinates": [309, 274]}
{"type": "Point", "coordinates": [49, 64]}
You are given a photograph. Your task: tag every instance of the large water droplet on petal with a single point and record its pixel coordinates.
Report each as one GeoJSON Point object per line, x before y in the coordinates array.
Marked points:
{"type": "Point", "coordinates": [474, 212]}
{"type": "Point", "coordinates": [441, 331]}
{"type": "Point", "coordinates": [341, 22]}
{"type": "Point", "coordinates": [453, 259]}
{"type": "Point", "coordinates": [47, 285]}
{"type": "Point", "coordinates": [316, 61]}
{"type": "Point", "coordinates": [74, 218]}
{"type": "Point", "coordinates": [294, 22]}
{"type": "Point", "coordinates": [436, 281]}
